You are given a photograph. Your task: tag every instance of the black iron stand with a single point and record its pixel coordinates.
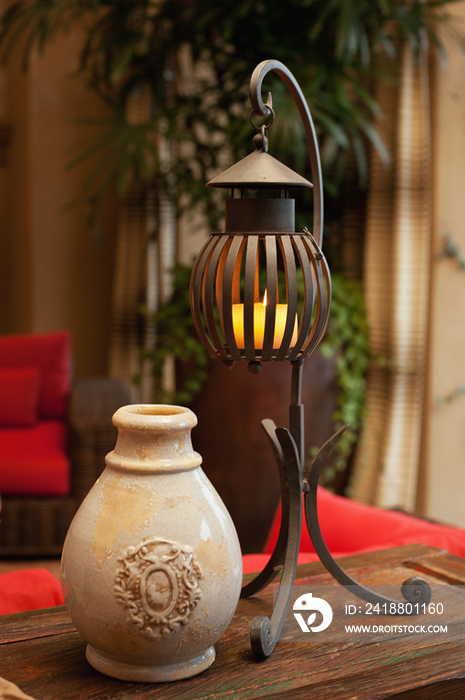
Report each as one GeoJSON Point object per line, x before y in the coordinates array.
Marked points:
{"type": "Point", "coordinates": [289, 449]}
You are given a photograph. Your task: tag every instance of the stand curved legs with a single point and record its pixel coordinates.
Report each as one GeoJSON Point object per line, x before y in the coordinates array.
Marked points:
{"type": "Point", "coordinates": [275, 563]}
{"type": "Point", "coordinates": [264, 632]}
{"type": "Point", "coordinates": [414, 589]}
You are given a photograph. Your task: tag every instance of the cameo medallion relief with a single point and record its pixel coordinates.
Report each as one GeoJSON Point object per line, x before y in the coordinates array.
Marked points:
{"type": "Point", "coordinates": [158, 582]}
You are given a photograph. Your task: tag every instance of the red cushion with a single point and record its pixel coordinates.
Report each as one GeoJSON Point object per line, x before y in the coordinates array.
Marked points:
{"type": "Point", "coordinates": [33, 461]}
{"type": "Point", "coordinates": [51, 354]}
{"type": "Point", "coordinates": [349, 527]}
{"type": "Point", "coordinates": [19, 395]}
{"type": "Point", "coordinates": [29, 589]}
{"type": "Point", "coordinates": [252, 563]}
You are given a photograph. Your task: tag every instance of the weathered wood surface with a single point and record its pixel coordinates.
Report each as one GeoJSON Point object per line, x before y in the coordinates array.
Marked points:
{"type": "Point", "coordinates": [44, 655]}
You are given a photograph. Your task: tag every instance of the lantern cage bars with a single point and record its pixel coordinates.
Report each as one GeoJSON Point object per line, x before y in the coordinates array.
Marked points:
{"type": "Point", "coordinates": [261, 297]}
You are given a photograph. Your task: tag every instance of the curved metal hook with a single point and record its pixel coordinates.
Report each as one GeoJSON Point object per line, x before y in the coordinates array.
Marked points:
{"type": "Point", "coordinates": [263, 110]}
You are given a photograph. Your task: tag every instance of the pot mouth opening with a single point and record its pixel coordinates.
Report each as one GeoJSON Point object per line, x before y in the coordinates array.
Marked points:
{"type": "Point", "coordinates": [155, 409]}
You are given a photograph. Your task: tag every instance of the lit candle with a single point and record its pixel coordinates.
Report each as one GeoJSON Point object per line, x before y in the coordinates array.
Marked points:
{"type": "Point", "coordinates": [259, 311]}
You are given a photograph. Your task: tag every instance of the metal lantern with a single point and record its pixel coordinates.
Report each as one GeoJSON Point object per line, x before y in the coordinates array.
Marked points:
{"type": "Point", "coordinates": [260, 291]}
{"type": "Point", "coordinates": [246, 299]}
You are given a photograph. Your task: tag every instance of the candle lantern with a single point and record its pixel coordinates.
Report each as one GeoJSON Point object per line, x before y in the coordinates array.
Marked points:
{"type": "Point", "coordinates": [260, 291]}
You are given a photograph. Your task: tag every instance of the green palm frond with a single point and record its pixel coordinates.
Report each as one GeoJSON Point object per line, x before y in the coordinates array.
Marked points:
{"type": "Point", "coordinates": [335, 48]}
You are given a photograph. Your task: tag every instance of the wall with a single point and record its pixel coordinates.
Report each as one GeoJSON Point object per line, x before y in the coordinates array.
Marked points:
{"type": "Point", "coordinates": [53, 272]}
{"type": "Point", "coordinates": [443, 460]}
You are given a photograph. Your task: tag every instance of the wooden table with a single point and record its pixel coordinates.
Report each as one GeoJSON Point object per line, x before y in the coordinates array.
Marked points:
{"type": "Point", "coordinates": [43, 654]}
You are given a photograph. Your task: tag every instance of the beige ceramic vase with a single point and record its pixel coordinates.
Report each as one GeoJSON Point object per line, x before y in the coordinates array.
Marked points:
{"type": "Point", "coordinates": [151, 565]}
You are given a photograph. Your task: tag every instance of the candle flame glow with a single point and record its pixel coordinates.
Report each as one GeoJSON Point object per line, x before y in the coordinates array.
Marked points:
{"type": "Point", "coordinates": [259, 322]}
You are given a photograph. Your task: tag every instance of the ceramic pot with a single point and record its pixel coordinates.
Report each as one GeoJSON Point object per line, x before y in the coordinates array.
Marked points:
{"type": "Point", "coordinates": [151, 565]}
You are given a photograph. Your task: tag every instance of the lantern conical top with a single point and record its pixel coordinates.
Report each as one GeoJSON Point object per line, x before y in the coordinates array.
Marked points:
{"type": "Point", "coordinates": [259, 170]}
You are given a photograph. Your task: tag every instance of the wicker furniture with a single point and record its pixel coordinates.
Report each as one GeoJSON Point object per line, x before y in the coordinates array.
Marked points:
{"type": "Point", "coordinates": [37, 526]}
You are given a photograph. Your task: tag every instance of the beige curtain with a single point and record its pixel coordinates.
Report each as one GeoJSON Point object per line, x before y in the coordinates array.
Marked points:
{"type": "Point", "coordinates": [145, 256]}
{"type": "Point", "coordinates": [128, 290]}
{"type": "Point", "coordinates": [396, 276]}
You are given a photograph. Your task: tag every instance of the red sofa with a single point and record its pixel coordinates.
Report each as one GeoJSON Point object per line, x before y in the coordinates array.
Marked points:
{"type": "Point", "coordinates": [54, 435]}
{"type": "Point", "coordinates": [349, 527]}
{"type": "Point", "coordinates": [35, 384]}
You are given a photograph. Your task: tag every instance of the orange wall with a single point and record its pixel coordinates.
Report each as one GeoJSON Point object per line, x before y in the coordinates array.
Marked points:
{"type": "Point", "coordinates": [53, 273]}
